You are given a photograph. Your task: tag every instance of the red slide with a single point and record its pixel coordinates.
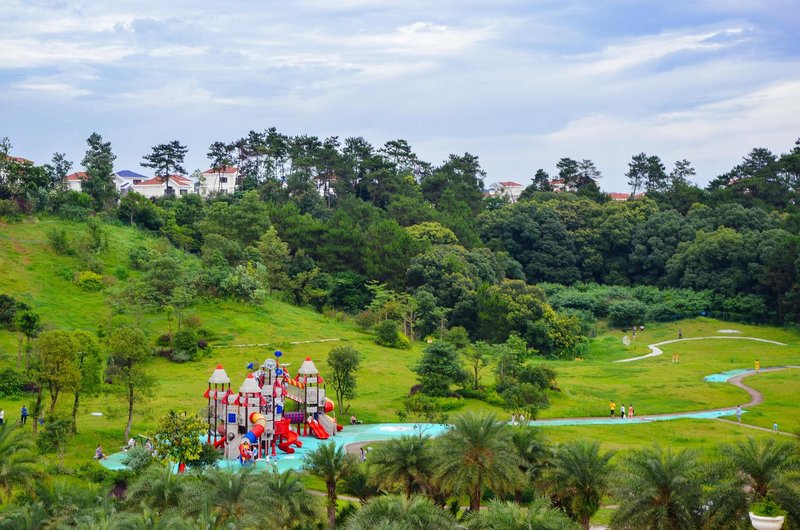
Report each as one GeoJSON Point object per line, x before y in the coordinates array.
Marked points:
{"type": "Point", "coordinates": [289, 438]}
{"type": "Point", "coordinates": [318, 430]}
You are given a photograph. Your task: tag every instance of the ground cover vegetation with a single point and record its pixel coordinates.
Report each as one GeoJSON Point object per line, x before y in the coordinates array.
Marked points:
{"type": "Point", "coordinates": [113, 302]}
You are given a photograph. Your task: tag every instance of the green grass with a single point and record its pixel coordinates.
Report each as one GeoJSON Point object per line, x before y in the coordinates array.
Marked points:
{"type": "Point", "coordinates": [31, 271]}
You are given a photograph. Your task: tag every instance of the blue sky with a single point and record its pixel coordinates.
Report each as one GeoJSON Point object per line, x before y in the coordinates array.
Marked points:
{"type": "Point", "coordinates": [518, 83]}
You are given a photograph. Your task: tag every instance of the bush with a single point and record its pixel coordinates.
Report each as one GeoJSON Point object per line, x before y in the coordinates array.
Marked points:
{"type": "Point", "coordinates": [766, 507]}
{"type": "Point", "coordinates": [9, 209]}
{"type": "Point", "coordinates": [59, 242]}
{"type": "Point", "coordinates": [366, 319]}
{"type": "Point", "coordinates": [121, 273]}
{"type": "Point", "coordinates": [208, 457]}
{"type": "Point", "coordinates": [202, 344]}
{"type": "Point", "coordinates": [626, 313]}
{"type": "Point", "coordinates": [137, 459]}
{"type": "Point", "coordinates": [388, 334]}
{"type": "Point", "coordinates": [164, 340]}
{"type": "Point", "coordinates": [12, 382]}
{"type": "Point", "coordinates": [192, 322]}
{"type": "Point", "coordinates": [89, 281]}
{"type": "Point", "coordinates": [139, 258]}
{"type": "Point", "coordinates": [185, 345]}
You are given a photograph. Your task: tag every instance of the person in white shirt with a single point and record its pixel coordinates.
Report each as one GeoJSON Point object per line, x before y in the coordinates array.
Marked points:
{"type": "Point", "coordinates": [2, 417]}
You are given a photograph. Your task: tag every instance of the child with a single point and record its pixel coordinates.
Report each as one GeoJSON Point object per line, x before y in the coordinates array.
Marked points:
{"type": "Point", "coordinates": [613, 407]}
{"type": "Point", "coordinates": [98, 453]}
{"type": "Point", "coordinates": [630, 411]}
{"type": "Point", "coordinates": [739, 413]}
{"type": "Point", "coordinates": [775, 427]}
{"type": "Point", "coordinates": [622, 411]}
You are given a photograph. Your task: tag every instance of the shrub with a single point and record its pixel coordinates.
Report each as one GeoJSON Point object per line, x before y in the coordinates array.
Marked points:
{"type": "Point", "coordinates": [202, 344]}
{"type": "Point", "coordinates": [121, 273]}
{"type": "Point", "coordinates": [12, 382]}
{"type": "Point", "coordinates": [192, 322]}
{"type": "Point", "coordinates": [626, 312]}
{"type": "Point", "coordinates": [163, 340]}
{"type": "Point", "coordinates": [766, 507]}
{"type": "Point", "coordinates": [366, 319]}
{"type": "Point", "coordinates": [139, 257]}
{"type": "Point", "coordinates": [9, 209]}
{"type": "Point", "coordinates": [89, 281]}
{"type": "Point", "coordinates": [387, 334]}
{"type": "Point", "coordinates": [208, 457]}
{"type": "Point", "coordinates": [58, 240]}
{"type": "Point", "coordinates": [165, 352]}
{"type": "Point", "coordinates": [185, 345]}
{"type": "Point", "coordinates": [137, 459]}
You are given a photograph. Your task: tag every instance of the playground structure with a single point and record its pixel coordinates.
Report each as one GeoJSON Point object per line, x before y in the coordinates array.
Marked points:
{"type": "Point", "coordinates": [270, 411]}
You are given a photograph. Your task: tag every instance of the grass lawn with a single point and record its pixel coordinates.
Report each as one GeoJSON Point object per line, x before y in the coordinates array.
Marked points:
{"type": "Point", "coordinates": [31, 271]}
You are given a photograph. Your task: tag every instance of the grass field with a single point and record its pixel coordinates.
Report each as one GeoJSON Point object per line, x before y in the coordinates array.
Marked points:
{"type": "Point", "coordinates": [30, 271]}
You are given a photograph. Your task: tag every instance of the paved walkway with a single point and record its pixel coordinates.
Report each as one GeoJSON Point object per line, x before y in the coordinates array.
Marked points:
{"type": "Point", "coordinates": [656, 351]}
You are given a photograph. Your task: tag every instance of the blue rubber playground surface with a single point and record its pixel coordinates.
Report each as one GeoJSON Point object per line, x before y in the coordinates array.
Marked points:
{"type": "Point", "coordinates": [724, 376]}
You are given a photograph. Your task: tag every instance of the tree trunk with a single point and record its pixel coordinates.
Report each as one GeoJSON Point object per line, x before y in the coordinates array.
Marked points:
{"type": "Point", "coordinates": [585, 522]}
{"type": "Point", "coordinates": [28, 354]}
{"type": "Point", "coordinates": [53, 400]}
{"type": "Point", "coordinates": [331, 505]}
{"type": "Point", "coordinates": [19, 352]}
{"type": "Point", "coordinates": [130, 413]}
{"type": "Point", "coordinates": [75, 412]}
{"type": "Point", "coordinates": [475, 498]}
{"type": "Point", "coordinates": [36, 408]}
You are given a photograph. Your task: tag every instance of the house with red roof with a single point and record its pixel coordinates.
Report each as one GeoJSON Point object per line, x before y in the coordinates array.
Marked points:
{"type": "Point", "coordinates": [74, 182]}
{"type": "Point", "coordinates": [169, 186]}
{"type": "Point", "coordinates": [219, 180]}
{"type": "Point", "coordinates": [509, 189]}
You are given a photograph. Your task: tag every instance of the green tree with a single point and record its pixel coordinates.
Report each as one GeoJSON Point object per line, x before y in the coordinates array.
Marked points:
{"type": "Point", "coordinates": [158, 488]}
{"type": "Point", "coordinates": [29, 324]}
{"type": "Point", "coordinates": [275, 257]}
{"type": "Point", "coordinates": [659, 488]}
{"type": "Point", "coordinates": [17, 460]}
{"type": "Point", "coordinates": [166, 160]}
{"type": "Point", "coordinates": [474, 454]}
{"type": "Point", "coordinates": [99, 165]}
{"type": "Point", "coordinates": [289, 503]}
{"type": "Point", "coordinates": [127, 368]}
{"type": "Point", "coordinates": [439, 368]}
{"type": "Point", "coordinates": [578, 478]}
{"type": "Point", "coordinates": [177, 437]}
{"type": "Point", "coordinates": [344, 362]}
{"type": "Point", "coordinates": [539, 515]}
{"type": "Point", "coordinates": [432, 233]}
{"type": "Point", "coordinates": [89, 362]}
{"type": "Point", "coordinates": [332, 464]}
{"type": "Point", "coordinates": [477, 356]}
{"type": "Point", "coordinates": [407, 461]}
{"type": "Point", "coordinates": [398, 512]}
{"type": "Point", "coordinates": [54, 365]}
{"type": "Point", "coordinates": [534, 452]}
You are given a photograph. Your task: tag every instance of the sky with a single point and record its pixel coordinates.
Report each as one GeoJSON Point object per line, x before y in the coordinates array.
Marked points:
{"type": "Point", "coordinates": [518, 83]}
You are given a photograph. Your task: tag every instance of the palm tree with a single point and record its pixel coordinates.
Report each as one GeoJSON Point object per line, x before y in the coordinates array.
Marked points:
{"type": "Point", "coordinates": [332, 464]}
{"type": "Point", "coordinates": [158, 488]}
{"type": "Point", "coordinates": [750, 471]}
{"type": "Point", "coordinates": [228, 491]}
{"type": "Point", "coordinates": [540, 515]}
{"type": "Point", "coordinates": [289, 503]}
{"type": "Point", "coordinates": [29, 517]}
{"type": "Point", "coordinates": [477, 452]}
{"type": "Point", "coordinates": [534, 452]}
{"type": "Point", "coordinates": [65, 503]}
{"type": "Point", "coordinates": [659, 489]}
{"type": "Point", "coordinates": [407, 460]}
{"type": "Point", "coordinates": [361, 483]}
{"type": "Point", "coordinates": [401, 513]}
{"type": "Point", "coordinates": [17, 460]}
{"type": "Point", "coordinates": [578, 478]}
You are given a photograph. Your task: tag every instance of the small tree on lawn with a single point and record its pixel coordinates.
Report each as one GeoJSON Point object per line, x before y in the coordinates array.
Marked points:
{"type": "Point", "coordinates": [54, 366]}
{"type": "Point", "coordinates": [477, 356]}
{"type": "Point", "coordinates": [177, 438]}
{"type": "Point", "coordinates": [127, 359]}
{"type": "Point", "coordinates": [29, 324]}
{"type": "Point", "coordinates": [54, 439]}
{"type": "Point", "coordinates": [439, 368]}
{"type": "Point", "coordinates": [332, 464]}
{"type": "Point", "coordinates": [88, 361]}
{"type": "Point", "coordinates": [343, 361]}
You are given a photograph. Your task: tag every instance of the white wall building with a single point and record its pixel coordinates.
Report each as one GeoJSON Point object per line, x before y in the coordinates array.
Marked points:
{"type": "Point", "coordinates": [172, 186]}
{"type": "Point", "coordinates": [75, 182]}
{"type": "Point", "coordinates": [221, 181]}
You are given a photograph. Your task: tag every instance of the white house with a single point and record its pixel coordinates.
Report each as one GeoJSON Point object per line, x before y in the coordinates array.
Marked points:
{"type": "Point", "coordinates": [172, 186]}
{"type": "Point", "coordinates": [131, 176]}
{"type": "Point", "coordinates": [75, 182]}
{"type": "Point", "coordinates": [509, 189]}
{"type": "Point", "coordinates": [219, 180]}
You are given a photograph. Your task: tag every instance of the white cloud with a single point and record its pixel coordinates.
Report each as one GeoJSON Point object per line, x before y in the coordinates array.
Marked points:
{"type": "Point", "coordinates": [52, 88]}
{"type": "Point", "coordinates": [179, 94]}
{"type": "Point", "coordinates": [32, 53]}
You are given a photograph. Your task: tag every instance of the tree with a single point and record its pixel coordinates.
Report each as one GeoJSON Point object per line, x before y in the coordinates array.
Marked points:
{"type": "Point", "coordinates": [474, 454]}
{"type": "Point", "coordinates": [17, 460]}
{"type": "Point", "coordinates": [288, 501]}
{"type": "Point", "coordinates": [540, 515]}
{"type": "Point", "coordinates": [477, 356]}
{"type": "Point", "coordinates": [578, 478]}
{"type": "Point", "coordinates": [407, 461]}
{"type": "Point", "coordinates": [344, 362]}
{"type": "Point", "coordinates": [89, 362]}
{"type": "Point", "coordinates": [439, 368]}
{"type": "Point", "coordinates": [681, 173]}
{"type": "Point", "coordinates": [177, 438]}
{"type": "Point", "coordinates": [99, 165]}
{"type": "Point", "coordinates": [29, 323]}
{"type": "Point", "coordinates": [637, 172]}
{"type": "Point", "coordinates": [128, 353]}
{"type": "Point", "coordinates": [58, 169]}
{"type": "Point", "coordinates": [534, 452]}
{"type": "Point", "coordinates": [569, 172]}
{"type": "Point", "coordinates": [166, 160]}
{"type": "Point", "coordinates": [275, 257]}
{"type": "Point", "coordinates": [659, 488]}
{"type": "Point", "coordinates": [397, 512]}
{"type": "Point", "coordinates": [54, 365]}
{"type": "Point", "coordinates": [331, 464]}
{"type": "Point", "coordinates": [158, 488]}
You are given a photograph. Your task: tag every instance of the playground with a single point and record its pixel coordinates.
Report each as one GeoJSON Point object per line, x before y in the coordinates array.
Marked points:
{"type": "Point", "coordinates": [273, 419]}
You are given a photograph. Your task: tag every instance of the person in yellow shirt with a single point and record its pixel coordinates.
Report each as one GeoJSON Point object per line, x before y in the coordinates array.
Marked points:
{"type": "Point", "coordinates": [758, 366]}
{"type": "Point", "coordinates": [613, 407]}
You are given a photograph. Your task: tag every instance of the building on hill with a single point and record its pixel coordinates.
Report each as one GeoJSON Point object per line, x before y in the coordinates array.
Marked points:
{"type": "Point", "coordinates": [170, 186]}
{"type": "Point", "coordinates": [560, 186]}
{"type": "Point", "coordinates": [220, 181]}
{"type": "Point", "coordinates": [509, 189]}
{"type": "Point", "coordinates": [131, 176]}
{"type": "Point", "coordinates": [617, 196]}
{"type": "Point", "coordinates": [74, 182]}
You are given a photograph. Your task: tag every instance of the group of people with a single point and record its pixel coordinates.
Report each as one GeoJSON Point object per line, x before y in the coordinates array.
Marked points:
{"type": "Point", "coordinates": [518, 419]}
{"type": "Point", "coordinates": [623, 412]}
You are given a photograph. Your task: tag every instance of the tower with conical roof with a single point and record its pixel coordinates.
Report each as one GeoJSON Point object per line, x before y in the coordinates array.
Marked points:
{"type": "Point", "coordinates": [217, 401]}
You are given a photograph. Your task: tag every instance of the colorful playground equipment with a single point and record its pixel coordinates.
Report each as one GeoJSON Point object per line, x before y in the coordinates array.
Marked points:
{"type": "Point", "coordinates": [270, 410]}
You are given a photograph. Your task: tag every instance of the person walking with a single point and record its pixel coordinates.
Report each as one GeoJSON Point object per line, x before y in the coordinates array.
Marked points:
{"type": "Point", "coordinates": [613, 407]}
{"type": "Point", "coordinates": [739, 413]}
{"type": "Point", "coordinates": [622, 411]}
{"type": "Point", "coordinates": [2, 417]}
{"type": "Point", "coordinates": [630, 411]}
{"type": "Point", "coordinates": [521, 419]}
{"type": "Point", "coordinates": [23, 414]}
{"type": "Point", "coordinates": [680, 334]}
{"type": "Point", "coordinates": [775, 427]}
{"type": "Point", "coordinates": [758, 367]}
